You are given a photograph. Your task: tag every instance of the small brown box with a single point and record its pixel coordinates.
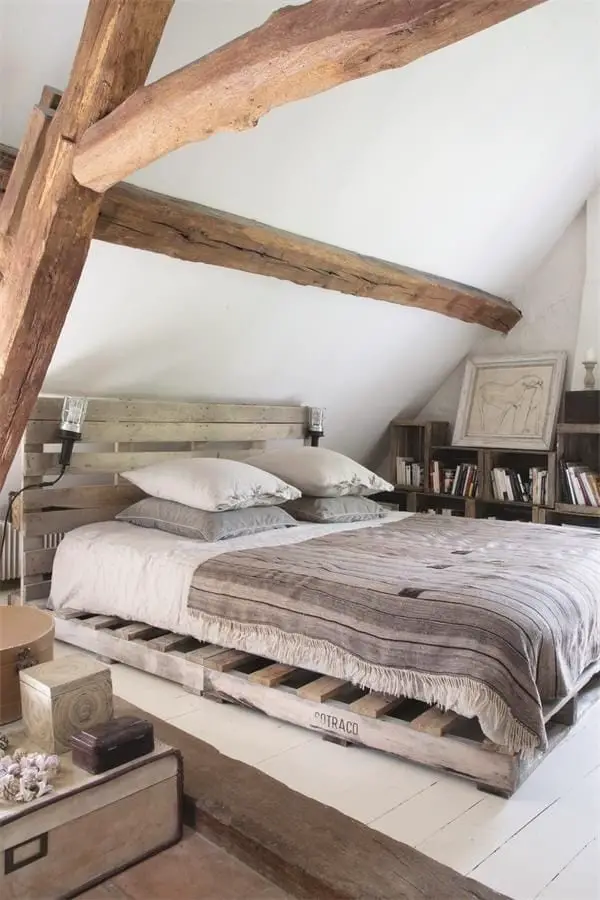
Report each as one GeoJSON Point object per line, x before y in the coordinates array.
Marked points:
{"type": "Point", "coordinates": [112, 744]}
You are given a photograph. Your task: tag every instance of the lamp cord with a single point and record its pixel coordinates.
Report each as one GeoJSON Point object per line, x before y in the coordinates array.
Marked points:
{"type": "Point", "coordinates": [28, 487]}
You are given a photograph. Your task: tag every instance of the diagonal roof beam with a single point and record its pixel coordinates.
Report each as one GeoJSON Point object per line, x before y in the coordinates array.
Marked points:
{"type": "Point", "coordinates": [298, 52]}
{"type": "Point", "coordinates": [138, 218]}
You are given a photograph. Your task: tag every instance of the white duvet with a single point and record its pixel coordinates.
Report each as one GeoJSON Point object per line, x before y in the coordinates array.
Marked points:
{"type": "Point", "coordinates": [143, 575]}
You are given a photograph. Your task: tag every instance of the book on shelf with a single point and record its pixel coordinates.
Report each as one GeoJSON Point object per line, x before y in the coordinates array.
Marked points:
{"type": "Point", "coordinates": [458, 481]}
{"type": "Point", "coordinates": [511, 486]}
{"type": "Point", "coordinates": [580, 485]}
{"type": "Point", "coordinates": [408, 472]}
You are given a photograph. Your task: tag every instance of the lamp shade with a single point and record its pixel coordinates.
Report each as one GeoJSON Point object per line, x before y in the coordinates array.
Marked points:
{"type": "Point", "coordinates": [73, 414]}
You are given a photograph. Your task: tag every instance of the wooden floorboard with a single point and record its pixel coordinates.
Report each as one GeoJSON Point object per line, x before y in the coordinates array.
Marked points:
{"type": "Point", "coordinates": [308, 849]}
{"type": "Point", "coordinates": [193, 869]}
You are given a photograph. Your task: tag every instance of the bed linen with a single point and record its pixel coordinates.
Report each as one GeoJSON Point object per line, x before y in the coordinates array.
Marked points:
{"type": "Point", "coordinates": [118, 569]}
{"type": "Point", "coordinates": [489, 619]}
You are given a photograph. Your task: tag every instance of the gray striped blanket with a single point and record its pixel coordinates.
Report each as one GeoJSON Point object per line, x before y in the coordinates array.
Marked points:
{"type": "Point", "coordinates": [489, 619]}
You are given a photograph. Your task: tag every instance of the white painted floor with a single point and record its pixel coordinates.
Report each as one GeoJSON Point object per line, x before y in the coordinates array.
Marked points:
{"type": "Point", "coordinates": [542, 843]}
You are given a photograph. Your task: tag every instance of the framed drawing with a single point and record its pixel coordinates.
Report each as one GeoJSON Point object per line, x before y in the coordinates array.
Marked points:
{"type": "Point", "coordinates": [510, 402]}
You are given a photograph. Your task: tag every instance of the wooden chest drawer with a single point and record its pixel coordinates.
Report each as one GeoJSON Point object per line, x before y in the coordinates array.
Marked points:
{"type": "Point", "coordinates": [69, 841]}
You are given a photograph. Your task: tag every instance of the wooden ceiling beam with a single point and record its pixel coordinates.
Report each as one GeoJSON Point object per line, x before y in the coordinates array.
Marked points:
{"type": "Point", "coordinates": [133, 217]}
{"type": "Point", "coordinates": [298, 52]}
{"type": "Point", "coordinates": [58, 218]}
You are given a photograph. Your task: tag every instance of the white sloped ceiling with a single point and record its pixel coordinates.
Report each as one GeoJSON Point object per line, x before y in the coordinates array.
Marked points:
{"type": "Point", "coordinates": [469, 163]}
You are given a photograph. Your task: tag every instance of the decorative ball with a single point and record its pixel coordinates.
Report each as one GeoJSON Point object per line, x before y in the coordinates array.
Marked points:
{"type": "Point", "coordinates": [4, 742]}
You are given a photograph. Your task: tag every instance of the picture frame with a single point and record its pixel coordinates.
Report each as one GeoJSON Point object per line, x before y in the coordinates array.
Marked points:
{"type": "Point", "coordinates": [510, 402]}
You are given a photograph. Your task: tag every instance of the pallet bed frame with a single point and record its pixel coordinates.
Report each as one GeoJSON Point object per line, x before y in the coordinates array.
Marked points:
{"type": "Point", "coordinates": [136, 433]}
{"type": "Point", "coordinates": [337, 709]}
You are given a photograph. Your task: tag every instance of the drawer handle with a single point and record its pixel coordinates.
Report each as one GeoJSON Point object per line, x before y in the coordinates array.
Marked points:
{"type": "Point", "coordinates": [23, 854]}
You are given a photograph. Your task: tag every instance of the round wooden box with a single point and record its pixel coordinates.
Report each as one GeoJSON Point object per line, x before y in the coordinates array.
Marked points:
{"type": "Point", "coordinates": [26, 638]}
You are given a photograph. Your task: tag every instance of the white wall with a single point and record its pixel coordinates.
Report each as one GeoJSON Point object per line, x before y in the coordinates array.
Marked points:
{"type": "Point", "coordinates": [551, 304]}
{"type": "Point", "coordinates": [468, 163]}
{"type": "Point", "coordinates": [588, 336]}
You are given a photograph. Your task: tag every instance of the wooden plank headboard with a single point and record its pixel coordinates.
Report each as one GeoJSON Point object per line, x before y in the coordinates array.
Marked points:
{"type": "Point", "coordinates": [120, 435]}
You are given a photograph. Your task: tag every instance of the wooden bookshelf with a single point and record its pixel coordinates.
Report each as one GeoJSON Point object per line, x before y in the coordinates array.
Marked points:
{"type": "Point", "coordinates": [571, 509]}
{"type": "Point", "coordinates": [415, 440]}
{"type": "Point", "coordinates": [519, 461]}
{"type": "Point", "coordinates": [429, 441]}
{"type": "Point", "coordinates": [578, 443]}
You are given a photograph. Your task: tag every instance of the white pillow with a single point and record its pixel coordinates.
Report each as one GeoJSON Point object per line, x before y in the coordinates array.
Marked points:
{"type": "Point", "coordinates": [211, 484]}
{"type": "Point", "coordinates": [319, 472]}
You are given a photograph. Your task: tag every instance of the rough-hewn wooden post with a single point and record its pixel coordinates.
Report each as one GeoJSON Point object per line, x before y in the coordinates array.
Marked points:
{"type": "Point", "coordinates": [58, 217]}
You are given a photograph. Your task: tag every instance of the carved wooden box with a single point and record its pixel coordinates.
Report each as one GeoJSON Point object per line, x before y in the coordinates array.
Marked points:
{"type": "Point", "coordinates": [62, 697]}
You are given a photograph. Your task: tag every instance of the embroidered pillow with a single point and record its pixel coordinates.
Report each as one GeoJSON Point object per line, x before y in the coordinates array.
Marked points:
{"type": "Point", "coordinates": [199, 525]}
{"type": "Point", "coordinates": [212, 484]}
{"type": "Point", "coordinates": [319, 472]}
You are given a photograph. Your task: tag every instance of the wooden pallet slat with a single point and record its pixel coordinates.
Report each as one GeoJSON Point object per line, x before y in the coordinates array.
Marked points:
{"type": "Point", "coordinates": [227, 660]}
{"type": "Point", "coordinates": [90, 496]}
{"type": "Point", "coordinates": [63, 520]}
{"type": "Point", "coordinates": [435, 721]}
{"type": "Point", "coordinates": [97, 622]}
{"type": "Point", "coordinates": [37, 590]}
{"type": "Point", "coordinates": [48, 409]}
{"type": "Point", "coordinates": [272, 675]}
{"type": "Point", "coordinates": [551, 709]}
{"type": "Point", "coordinates": [202, 654]}
{"type": "Point", "coordinates": [128, 432]}
{"type": "Point", "coordinates": [324, 688]}
{"type": "Point", "coordinates": [375, 705]}
{"type": "Point", "coordinates": [167, 642]}
{"type": "Point", "coordinates": [66, 613]}
{"type": "Point", "coordinates": [38, 562]}
{"type": "Point", "coordinates": [115, 462]}
{"type": "Point", "coordinates": [134, 631]}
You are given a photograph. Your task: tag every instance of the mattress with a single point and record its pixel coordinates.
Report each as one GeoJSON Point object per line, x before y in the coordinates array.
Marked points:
{"type": "Point", "coordinates": [114, 568]}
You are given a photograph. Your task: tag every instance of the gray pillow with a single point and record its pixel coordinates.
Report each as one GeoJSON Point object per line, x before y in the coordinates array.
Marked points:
{"type": "Point", "coordinates": [335, 509]}
{"type": "Point", "coordinates": [185, 521]}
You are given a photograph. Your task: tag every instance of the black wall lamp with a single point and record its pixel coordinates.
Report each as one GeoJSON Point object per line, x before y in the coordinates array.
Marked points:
{"type": "Point", "coordinates": [315, 425]}
{"type": "Point", "coordinates": [69, 432]}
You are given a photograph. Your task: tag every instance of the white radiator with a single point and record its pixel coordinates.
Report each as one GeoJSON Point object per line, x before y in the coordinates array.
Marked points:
{"type": "Point", "coordinates": [10, 563]}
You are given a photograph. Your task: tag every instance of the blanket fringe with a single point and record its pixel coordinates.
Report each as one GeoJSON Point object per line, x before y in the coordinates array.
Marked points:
{"type": "Point", "coordinates": [462, 695]}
